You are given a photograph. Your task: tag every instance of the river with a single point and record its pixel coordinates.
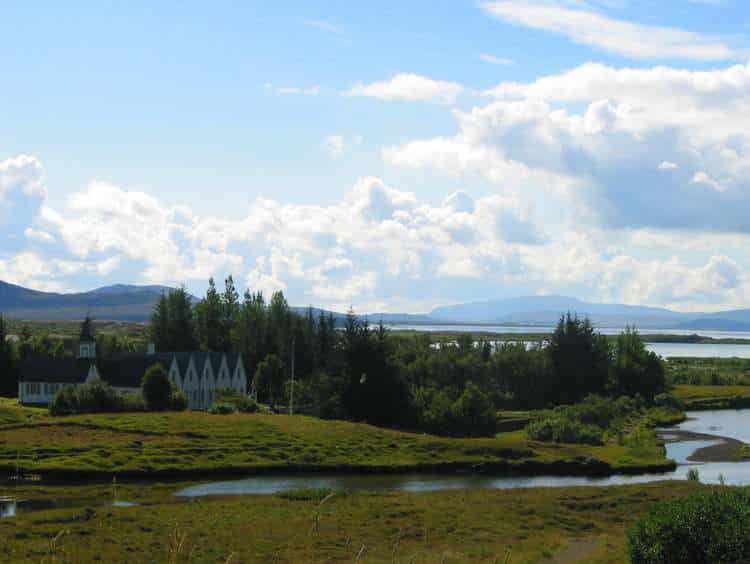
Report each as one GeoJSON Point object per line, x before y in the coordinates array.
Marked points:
{"type": "Point", "coordinates": [729, 423]}
{"type": "Point", "coordinates": [726, 423]}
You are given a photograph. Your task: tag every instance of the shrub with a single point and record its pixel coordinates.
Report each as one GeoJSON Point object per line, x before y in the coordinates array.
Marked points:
{"type": "Point", "coordinates": [560, 428]}
{"type": "Point", "coordinates": [704, 527]}
{"type": "Point", "coordinates": [93, 397]}
{"type": "Point", "coordinates": [156, 388]}
{"type": "Point", "coordinates": [247, 405]}
{"type": "Point", "coordinates": [474, 414]}
{"type": "Point", "coordinates": [222, 409]}
{"type": "Point", "coordinates": [669, 401]}
{"type": "Point", "coordinates": [178, 401]}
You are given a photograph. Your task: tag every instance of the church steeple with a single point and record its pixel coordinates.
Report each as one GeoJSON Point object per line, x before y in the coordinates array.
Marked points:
{"type": "Point", "coordinates": [86, 340]}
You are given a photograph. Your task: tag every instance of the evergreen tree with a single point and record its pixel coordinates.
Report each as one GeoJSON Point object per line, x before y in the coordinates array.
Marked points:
{"type": "Point", "coordinates": [580, 360]}
{"type": "Point", "coordinates": [182, 334]}
{"type": "Point", "coordinates": [8, 378]}
{"type": "Point", "coordinates": [159, 327]}
{"type": "Point", "coordinates": [210, 320]}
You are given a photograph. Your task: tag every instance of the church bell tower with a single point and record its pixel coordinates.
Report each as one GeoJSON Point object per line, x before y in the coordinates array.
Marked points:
{"type": "Point", "coordinates": [86, 341]}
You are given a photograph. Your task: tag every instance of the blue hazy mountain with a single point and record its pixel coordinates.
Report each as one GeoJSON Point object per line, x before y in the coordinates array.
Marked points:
{"type": "Point", "coordinates": [120, 302]}
{"type": "Point", "coordinates": [126, 302]}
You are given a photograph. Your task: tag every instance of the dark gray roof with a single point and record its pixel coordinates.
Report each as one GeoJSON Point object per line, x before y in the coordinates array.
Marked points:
{"type": "Point", "coordinates": [127, 370]}
{"type": "Point", "coordinates": [66, 370]}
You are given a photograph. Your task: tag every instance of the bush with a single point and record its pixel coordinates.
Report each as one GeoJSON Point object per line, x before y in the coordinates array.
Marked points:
{"type": "Point", "coordinates": [704, 527]}
{"type": "Point", "coordinates": [247, 404]}
{"type": "Point", "coordinates": [474, 414]}
{"type": "Point", "coordinates": [156, 388]}
{"type": "Point", "coordinates": [222, 409]}
{"type": "Point", "coordinates": [178, 401]}
{"type": "Point", "coordinates": [93, 397]}
{"type": "Point", "coordinates": [560, 428]}
{"type": "Point", "coordinates": [669, 401]}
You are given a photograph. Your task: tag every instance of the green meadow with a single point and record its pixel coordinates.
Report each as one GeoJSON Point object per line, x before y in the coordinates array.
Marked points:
{"type": "Point", "coordinates": [513, 526]}
{"type": "Point", "coordinates": [196, 443]}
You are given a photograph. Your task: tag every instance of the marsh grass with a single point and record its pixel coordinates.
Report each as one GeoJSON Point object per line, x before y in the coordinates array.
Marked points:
{"type": "Point", "coordinates": [476, 525]}
{"type": "Point", "coordinates": [174, 443]}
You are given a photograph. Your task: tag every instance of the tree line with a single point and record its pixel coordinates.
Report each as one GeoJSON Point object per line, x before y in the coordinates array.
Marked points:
{"type": "Point", "coordinates": [361, 372]}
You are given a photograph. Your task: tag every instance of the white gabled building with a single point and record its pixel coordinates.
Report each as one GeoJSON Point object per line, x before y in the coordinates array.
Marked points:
{"type": "Point", "coordinates": [198, 374]}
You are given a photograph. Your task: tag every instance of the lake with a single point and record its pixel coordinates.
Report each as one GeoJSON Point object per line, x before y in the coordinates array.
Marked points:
{"type": "Point", "coordinates": [664, 350]}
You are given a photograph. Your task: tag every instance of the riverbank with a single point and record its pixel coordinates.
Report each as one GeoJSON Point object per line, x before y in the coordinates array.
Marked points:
{"type": "Point", "coordinates": [705, 398]}
{"type": "Point", "coordinates": [193, 444]}
{"type": "Point", "coordinates": [532, 525]}
{"type": "Point", "coordinates": [725, 449]}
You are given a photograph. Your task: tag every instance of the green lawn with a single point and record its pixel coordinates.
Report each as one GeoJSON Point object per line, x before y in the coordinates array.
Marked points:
{"type": "Point", "coordinates": [583, 524]}
{"type": "Point", "coordinates": [200, 443]}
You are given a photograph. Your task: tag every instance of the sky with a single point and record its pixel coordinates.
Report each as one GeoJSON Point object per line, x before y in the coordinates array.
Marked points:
{"type": "Point", "coordinates": [388, 156]}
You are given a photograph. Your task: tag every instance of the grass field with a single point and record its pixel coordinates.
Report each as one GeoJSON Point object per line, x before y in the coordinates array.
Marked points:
{"type": "Point", "coordinates": [712, 397]}
{"type": "Point", "coordinates": [568, 524]}
{"type": "Point", "coordinates": [172, 444]}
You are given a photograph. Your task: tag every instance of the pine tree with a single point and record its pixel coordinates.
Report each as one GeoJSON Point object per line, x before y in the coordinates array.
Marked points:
{"type": "Point", "coordinates": [159, 328]}
{"type": "Point", "coordinates": [8, 381]}
{"type": "Point", "coordinates": [210, 314]}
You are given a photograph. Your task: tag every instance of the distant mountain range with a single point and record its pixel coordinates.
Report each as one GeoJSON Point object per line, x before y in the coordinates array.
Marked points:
{"type": "Point", "coordinates": [120, 302]}
{"type": "Point", "coordinates": [135, 303]}
{"type": "Point", "coordinates": [546, 310]}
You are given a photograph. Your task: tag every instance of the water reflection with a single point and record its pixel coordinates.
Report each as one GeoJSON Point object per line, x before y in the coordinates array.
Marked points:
{"type": "Point", "coordinates": [729, 423]}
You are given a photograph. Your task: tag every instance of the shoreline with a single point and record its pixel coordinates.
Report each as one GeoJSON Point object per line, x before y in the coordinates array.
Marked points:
{"type": "Point", "coordinates": [727, 449]}
{"type": "Point", "coordinates": [586, 467]}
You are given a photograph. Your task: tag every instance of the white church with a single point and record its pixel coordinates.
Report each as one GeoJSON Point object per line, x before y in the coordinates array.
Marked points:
{"type": "Point", "coordinates": [198, 374]}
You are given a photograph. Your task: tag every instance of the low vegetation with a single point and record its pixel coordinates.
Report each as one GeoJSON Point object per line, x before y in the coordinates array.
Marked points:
{"type": "Point", "coordinates": [93, 397]}
{"type": "Point", "coordinates": [707, 526]}
{"type": "Point", "coordinates": [712, 397]}
{"type": "Point", "coordinates": [581, 524]}
{"type": "Point", "coordinates": [171, 444]}
{"type": "Point", "coordinates": [157, 394]}
{"type": "Point", "coordinates": [596, 420]}
{"type": "Point", "coordinates": [708, 371]}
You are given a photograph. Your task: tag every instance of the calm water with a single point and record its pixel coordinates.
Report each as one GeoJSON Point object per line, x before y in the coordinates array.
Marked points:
{"type": "Point", "coordinates": [730, 423]}
{"type": "Point", "coordinates": [663, 349]}
{"type": "Point", "coordinates": [546, 330]}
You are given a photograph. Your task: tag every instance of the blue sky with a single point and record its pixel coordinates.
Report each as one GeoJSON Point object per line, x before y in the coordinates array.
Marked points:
{"type": "Point", "coordinates": [392, 156]}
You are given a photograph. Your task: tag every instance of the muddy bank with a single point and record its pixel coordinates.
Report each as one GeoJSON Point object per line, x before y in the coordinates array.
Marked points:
{"type": "Point", "coordinates": [726, 449]}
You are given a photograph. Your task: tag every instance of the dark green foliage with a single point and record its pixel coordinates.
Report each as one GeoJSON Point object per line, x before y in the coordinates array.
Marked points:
{"type": "Point", "coordinates": [585, 422]}
{"type": "Point", "coordinates": [637, 370]}
{"type": "Point", "coordinates": [559, 428]}
{"type": "Point", "coordinates": [172, 325]}
{"type": "Point", "coordinates": [710, 527]}
{"type": "Point", "coordinates": [94, 397]}
{"type": "Point", "coordinates": [474, 413]}
{"type": "Point", "coordinates": [375, 393]}
{"type": "Point", "coordinates": [669, 401]}
{"type": "Point", "coordinates": [579, 358]}
{"type": "Point", "coordinates": [212, 316]}
{"type": "Point", "coordinates": [156, 388]}
{"type": "Point", "coordinates": [8, 378]}
{"type": "Point", "coordinates": [178, 401]}
{"type": "Point", "coordinates": [238, 402]}
{"type": "Point", "coordinates": [222, 409]}
{"type": "Point", "coordinates": [269, 379]}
